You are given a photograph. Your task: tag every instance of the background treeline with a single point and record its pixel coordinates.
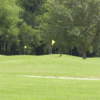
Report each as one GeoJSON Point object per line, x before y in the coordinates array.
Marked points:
{"type": "Point", "coordinates": [29, 26]}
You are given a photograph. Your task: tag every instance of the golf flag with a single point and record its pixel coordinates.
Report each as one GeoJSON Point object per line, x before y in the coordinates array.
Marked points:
{"type": "Point", "coordinates": [25, 47]}
{"type": "Point", "coordinates": [53, 42]}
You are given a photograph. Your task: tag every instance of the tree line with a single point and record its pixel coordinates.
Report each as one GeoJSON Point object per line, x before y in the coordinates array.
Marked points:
{"type": "Point", "coordinates": [29, 26]}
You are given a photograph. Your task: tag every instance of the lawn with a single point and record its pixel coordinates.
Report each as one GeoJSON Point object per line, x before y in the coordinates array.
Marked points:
{"type": "Point", "coordinates": [14, 86]}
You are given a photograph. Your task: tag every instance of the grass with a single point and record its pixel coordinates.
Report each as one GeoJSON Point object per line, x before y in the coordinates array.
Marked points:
{"type": "Point", "coordinates": [13, 86]}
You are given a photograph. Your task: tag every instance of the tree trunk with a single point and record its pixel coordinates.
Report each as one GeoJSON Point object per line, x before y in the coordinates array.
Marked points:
{"type": "Point", "coordinates": [50, 49]}
{"type": "Point", "coordinates": [84, 55]}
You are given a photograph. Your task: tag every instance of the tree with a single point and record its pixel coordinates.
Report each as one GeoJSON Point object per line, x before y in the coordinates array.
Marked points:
{"type": "Point", "coordinates": [30, 38]}
{"type": "Point", "coordinates": [86, 16]}
{"type": "Point", "coordinates": [96, 42]}
{"type": "Point", "coordinates": [72, 22]}
{"type": "Point", "coordinates": [31, 8]}
{"type": "Point", "coordinates": [29, 34]}
{"type": "Point", "coordinates": [9, 19]}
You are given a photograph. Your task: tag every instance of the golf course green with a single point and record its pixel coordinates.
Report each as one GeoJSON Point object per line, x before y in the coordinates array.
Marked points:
{"type": "Point", "coordinates": [15, 86]}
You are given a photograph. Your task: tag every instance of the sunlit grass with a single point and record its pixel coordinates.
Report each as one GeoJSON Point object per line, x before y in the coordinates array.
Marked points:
{"type": "Point", "coordinates": [13, 86]}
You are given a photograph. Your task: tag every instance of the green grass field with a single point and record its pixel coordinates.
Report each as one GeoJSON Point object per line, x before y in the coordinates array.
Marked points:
{"type": "Point", "coordinates": [14, 86]}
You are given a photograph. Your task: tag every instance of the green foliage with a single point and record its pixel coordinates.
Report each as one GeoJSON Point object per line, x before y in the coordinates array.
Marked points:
{"type": "Point", "coordinates": [9, 16]}
{"type": "Point", "coordinates": [75, 20]}
{"type": "Point", "coordinates": [73, 24]}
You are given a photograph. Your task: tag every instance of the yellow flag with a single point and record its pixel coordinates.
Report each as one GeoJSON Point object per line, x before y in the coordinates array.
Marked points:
{"type": "Point", "coordinates": [25, 47]}
{"type": "Point", "coordinates": [53, 42]}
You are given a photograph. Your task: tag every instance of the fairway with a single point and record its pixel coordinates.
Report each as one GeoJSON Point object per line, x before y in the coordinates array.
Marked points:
{"type": "Point", "coordinates": [15, 85]}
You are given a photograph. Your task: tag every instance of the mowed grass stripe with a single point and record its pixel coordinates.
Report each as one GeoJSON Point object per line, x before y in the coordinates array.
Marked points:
{"type": "Point", "coordinates": [60, 77]}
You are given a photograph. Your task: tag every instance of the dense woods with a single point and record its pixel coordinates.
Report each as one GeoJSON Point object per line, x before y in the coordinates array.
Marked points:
{"type": "Point", "coordinates": [29, 26]}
